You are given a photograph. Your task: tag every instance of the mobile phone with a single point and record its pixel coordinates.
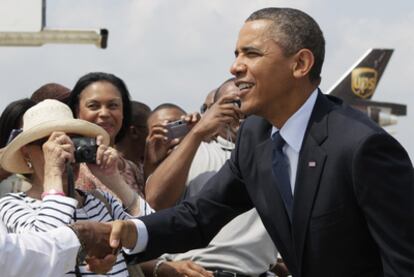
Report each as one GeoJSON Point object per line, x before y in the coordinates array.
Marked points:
{"type": "Point", "coordinates": [177, 129]}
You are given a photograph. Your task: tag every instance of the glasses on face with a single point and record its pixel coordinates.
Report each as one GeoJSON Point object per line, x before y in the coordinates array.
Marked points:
{"type": "Point", "coordinates": [14, 133]}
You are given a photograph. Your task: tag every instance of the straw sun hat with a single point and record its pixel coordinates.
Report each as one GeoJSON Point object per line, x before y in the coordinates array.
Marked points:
{"type": "Point", "coordinates": [39, 122]}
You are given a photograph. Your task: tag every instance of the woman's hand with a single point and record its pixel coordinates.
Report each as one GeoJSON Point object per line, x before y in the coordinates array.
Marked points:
{"type": "Point", "coordinates": [106, 168]}
{"type": "Point", "coordinates": [57, 150]}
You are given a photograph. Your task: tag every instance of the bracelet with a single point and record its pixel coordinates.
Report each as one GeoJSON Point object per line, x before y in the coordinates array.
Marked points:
{"type": "Point", "coordinates": [132, 202]}
{"type": "Point", "coordinates": [82, 249]}
{"type": "Point", "coordinates": [157, 267]}
{"type": "Point", "coordinates": [52, 192]}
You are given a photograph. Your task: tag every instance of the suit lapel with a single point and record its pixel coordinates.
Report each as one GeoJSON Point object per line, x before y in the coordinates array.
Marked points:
{"type": "Point", "coordinates": [312, 159]}
{"type": "Point", "coordinates": [310, 167]}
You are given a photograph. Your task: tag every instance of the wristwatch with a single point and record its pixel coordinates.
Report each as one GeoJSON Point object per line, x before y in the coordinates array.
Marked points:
{"type": "Point", "coordinates": [82, 249]}
{"type": "Point", "coordinates": [157, 267]}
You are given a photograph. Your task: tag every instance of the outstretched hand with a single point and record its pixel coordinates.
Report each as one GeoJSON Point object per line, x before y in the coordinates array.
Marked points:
{"type": "Point", "coordinates": [102, 241]}
{"type": "Point", "coordinates": [124, 234]}
{"type": "Point", "coordinates": [94, 237]}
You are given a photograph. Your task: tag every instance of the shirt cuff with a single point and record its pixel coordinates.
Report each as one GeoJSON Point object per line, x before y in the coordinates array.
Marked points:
{"type": "Point", "coordinates": [67, 246]}
{"type": "Point", "coordinates": [142, 240]}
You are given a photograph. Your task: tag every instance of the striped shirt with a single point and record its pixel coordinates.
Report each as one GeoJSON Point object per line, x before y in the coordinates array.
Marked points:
{"type": "Point", "coordinates": [21, 213]}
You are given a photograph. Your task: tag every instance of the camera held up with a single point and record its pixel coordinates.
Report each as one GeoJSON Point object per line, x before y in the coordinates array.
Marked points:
{"type": "Point", "coordinates": [85, 149]}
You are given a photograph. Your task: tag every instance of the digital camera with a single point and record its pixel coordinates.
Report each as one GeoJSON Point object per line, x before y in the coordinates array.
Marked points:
{"type": "Point", "coordinates": [85, 149]}
{"type": "Point", "coordinates": [177, 129]}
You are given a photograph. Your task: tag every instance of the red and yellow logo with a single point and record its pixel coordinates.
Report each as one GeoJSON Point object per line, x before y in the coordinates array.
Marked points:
{"type": "Point", "coordinates": [364, 81]}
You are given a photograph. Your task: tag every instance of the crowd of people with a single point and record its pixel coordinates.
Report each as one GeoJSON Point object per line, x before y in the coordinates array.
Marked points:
{"type": "Point", "coordinates": [270, 178]}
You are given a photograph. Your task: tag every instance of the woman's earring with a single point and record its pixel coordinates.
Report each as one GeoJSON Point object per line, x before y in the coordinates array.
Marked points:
{"type": "Point", "coordinates": [29, 164]}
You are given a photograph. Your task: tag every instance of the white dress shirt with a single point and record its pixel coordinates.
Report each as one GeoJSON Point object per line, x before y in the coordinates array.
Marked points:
{"type": "Point", "coordinates": [292, 132]}
{"type": "Point", "coordinates": [38, 254]}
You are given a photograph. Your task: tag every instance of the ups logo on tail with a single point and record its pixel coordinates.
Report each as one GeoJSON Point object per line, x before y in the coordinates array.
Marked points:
{"type": "Point", "coordinates": [364, 81]}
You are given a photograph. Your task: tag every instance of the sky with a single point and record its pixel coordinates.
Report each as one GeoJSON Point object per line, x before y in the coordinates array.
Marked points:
{"type": "Point", "coordinates": [178, 50]}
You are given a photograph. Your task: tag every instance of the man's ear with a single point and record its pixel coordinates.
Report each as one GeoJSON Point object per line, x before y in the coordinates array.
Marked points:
{"type": "Point", "coordinates": [304, 61]}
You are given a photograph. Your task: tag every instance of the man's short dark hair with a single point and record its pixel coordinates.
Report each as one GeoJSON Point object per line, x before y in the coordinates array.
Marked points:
{"type": "Point", "coordinates": [293, 30]}
{"type": "Point", "coordinates": [217, 93]}
{"type": "Point", "coordinates": [168, 106]}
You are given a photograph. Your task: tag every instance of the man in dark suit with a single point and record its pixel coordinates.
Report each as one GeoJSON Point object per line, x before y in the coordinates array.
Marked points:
{"type": "Point", "coordinates": [334, 190]}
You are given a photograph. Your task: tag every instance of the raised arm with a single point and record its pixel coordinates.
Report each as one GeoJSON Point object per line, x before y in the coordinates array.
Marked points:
{"type": "Point", "coordinates": [167, 183]}
{"type": "Point", "coordinates": [19, 212]}
{"type": "Point", "coordinates": [107, 171]}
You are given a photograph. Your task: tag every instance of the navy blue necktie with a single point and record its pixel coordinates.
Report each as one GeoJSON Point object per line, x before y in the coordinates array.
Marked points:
{"type": "Point", "coordinates": [280, 166]}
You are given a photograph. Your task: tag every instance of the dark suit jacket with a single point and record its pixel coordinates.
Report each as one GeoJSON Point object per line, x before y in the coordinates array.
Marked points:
{"type": "Point", "coordinates": [353, 212]}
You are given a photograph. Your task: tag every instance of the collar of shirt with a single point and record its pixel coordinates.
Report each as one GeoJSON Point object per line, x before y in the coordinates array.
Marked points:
{"type": "Point", "coordinates": [292, 132]}
{"type": "Point", "coordinates": [225, 144]}
{"type": "Point", "coordinates": [294, 129]}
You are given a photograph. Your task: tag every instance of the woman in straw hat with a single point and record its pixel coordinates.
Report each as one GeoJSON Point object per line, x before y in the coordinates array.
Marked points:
{"type": "Point", "coordinates": [10, 123]}
{"type": "Point", "coordinates": [44, 148]}
{"type": "Point", "coordinates": [103, 99]}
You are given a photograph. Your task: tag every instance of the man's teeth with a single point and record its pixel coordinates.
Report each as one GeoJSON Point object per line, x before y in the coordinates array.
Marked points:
{"type": "Point", "coordinates": [244, 86]}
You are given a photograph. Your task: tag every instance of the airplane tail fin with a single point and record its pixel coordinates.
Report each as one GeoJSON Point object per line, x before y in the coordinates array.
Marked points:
{"type": "Point", "coordinates": [362, 79]}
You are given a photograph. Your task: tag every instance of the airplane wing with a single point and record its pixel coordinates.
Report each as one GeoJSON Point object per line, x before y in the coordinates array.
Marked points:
{"type": "Point", "coordinates": [393, 108]}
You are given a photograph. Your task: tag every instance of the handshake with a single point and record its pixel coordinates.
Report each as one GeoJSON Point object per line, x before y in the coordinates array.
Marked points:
{"type": "Point", "coordinates": [100, 242]}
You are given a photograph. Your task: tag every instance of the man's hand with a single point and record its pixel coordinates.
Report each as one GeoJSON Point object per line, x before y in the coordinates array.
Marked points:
{"type": "Point", "coordinates": [101, 266]}
{"type": "Point", "coordinates": [223, 112]}
{"type": "Point", "coordinates": [103, 240]}
{"type": "Point", "coordinates": [182, 269]}
{"type": "Point", "coordinates": [94, 237]}
{"type": "Point", "coordinates": [280, 268]}
{"type": "Point", "coordinates": [124, 234]}
{"type": "Point", "coordinates": [157, 147]}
